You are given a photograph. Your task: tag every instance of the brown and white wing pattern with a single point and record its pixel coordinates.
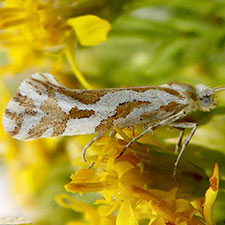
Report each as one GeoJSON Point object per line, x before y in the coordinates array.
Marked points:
{"type": "Point", "coordinates": [42, 107]}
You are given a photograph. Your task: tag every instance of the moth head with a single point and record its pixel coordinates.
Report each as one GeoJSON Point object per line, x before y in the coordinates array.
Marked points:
{"type": "Point", "coordinates": [207, 96]}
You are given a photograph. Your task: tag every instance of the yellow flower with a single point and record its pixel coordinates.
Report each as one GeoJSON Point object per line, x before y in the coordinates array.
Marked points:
{"type": "Point", "coordinates": [90, 30]}
{"type": "Point", "coordinates": [140, 185]}
{"type": "Point", "coordinates": [41, 32]}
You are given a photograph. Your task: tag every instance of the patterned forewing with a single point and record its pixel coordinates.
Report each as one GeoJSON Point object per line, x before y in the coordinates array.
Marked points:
{"type": "Point", "coordinates": [42, 107]}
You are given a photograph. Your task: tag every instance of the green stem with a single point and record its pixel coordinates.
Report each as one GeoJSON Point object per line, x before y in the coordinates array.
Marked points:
{"type": "Point", "coordinates": [69, 51]}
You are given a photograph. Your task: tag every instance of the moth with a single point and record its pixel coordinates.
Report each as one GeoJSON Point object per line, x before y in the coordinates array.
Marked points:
{"type": "Point", "coordinates": [42, 107]}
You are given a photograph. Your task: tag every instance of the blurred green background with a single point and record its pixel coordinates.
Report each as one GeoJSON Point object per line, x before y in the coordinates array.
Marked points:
{"type": "Point", "coordinates": [154, 42]}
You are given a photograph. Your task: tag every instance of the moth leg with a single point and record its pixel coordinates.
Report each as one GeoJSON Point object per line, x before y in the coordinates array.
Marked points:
{"type": "Point", "coordinates": [178, 145]}
{"type": "Point", "coordinates": [89, 144]}
{"type": "Point", "coordinates": [91, 164]}
{"type": "Point", "coordinates": [186, 141]}
{"type": "Point", "coordinates": [151, 128]}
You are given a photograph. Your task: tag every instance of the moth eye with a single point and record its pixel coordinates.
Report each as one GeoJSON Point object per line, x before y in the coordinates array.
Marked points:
{"type": "Point", "coordinates": [206, 101]}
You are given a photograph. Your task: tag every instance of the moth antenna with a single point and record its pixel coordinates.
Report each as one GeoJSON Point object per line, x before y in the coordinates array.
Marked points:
{"type": "Point", "coordinates": [219, 88]}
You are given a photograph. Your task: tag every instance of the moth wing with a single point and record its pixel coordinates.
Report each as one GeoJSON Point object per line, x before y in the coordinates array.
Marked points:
{"type": "Point", "coordinates": [39, 110]}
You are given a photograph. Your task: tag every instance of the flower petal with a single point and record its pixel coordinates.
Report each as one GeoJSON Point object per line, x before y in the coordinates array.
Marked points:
{"type": "Point", "coordinates": [85, 187]}
{"type": "Point", "coordinates": [90, 30]}
{"type": "Point", "coordinates": [158, 221]}
{"type": "Point", "coordinates": [106, 209]}
{"type": "Point", "coordinates": [122, 167]}
{"type": "Point", "coordinates": [210, 196]}
{"type": "Point", "coordinates": [85, 175]}
{"type": "Point", "coordinates": [126, 215]}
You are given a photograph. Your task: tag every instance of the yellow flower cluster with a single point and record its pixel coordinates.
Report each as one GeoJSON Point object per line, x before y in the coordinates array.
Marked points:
{"type": "Point", "coordinates": [140, 185]}
{"type": "Point", "coordinates": [42, 32]}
